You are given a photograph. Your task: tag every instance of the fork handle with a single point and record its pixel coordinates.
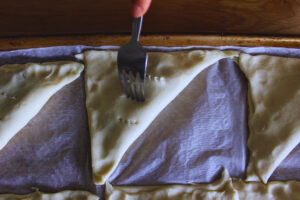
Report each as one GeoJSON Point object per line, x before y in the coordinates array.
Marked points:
{"type": "Point", "coordinates": [136, 29]}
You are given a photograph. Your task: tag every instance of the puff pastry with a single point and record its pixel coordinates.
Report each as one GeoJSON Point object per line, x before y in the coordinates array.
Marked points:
{"type": "Point", "coordinates": [220, 189]}
{"type": "Point", "coordinates": [272, 190]}
{"type": "Point", "coordinates": [64, 195]}
{"type": "Point", "coordinates": [274, 114]}
{"type": "Point", "coordinates": [25, 88]}
{"type": "Point", "coordinates": [224, 188]}
{"type": "Point", "coordinates": [116, 121]}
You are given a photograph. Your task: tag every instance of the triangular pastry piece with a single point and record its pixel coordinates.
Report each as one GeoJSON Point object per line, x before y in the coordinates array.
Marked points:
{"type": "Point", "coordinates": [25, 88]}
{"type": "Point", "coordinates": [274, 114]}
{"type": "Point", "coordinates": [116, 121]}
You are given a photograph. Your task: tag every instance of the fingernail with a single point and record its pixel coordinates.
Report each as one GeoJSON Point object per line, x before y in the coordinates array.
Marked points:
{"type": "Point", "coordinates": [137, 11]}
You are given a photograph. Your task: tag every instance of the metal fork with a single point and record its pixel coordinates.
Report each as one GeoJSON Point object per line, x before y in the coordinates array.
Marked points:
{"type": "Point", "coordinates": [132, 64]}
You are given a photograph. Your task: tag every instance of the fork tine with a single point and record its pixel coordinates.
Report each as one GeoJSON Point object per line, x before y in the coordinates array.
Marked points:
{"type": "Point", "coordinates": [136, 83]}
{"type": "Point", "coordinates": [142, 91]}
{"type": "Point", "coordinates": [142, 86]}
{"type": "Point", "coordinates": [139, 87]}
{"type": "Point", "coordinates": [124, 82]}
{"type": "Point", "coordinates": [130, 84]}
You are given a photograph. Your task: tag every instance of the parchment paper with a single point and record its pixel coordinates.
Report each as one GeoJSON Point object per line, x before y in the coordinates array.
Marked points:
{"type": "Point", "coordinates": [200, 132]}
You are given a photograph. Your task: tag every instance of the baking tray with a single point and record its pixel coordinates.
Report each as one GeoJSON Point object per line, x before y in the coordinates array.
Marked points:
{"type": "Point", "coordinates": [80, 176]}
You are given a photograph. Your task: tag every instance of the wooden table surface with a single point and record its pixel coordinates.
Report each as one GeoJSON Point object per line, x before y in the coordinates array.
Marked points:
{"type": "Point", "coordinates": [42, 23]}
{"type": "Point", "coordinates": [65, 17]}
{"type": "Point", "coordinates": [13, 43]}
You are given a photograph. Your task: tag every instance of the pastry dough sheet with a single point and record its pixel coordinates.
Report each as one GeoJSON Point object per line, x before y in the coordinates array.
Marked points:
{"type": "Point", "coordinates": [219, 189]}
{"type": "Point", "coordinates": [62, 195]}
{"type": "Point", "coordinates": [70, 161]}
{"type": "Point", "coordinates": [225, 188]}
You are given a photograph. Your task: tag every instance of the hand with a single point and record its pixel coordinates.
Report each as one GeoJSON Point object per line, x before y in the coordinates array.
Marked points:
{"type": "Point", "coordinates": [140, 7]}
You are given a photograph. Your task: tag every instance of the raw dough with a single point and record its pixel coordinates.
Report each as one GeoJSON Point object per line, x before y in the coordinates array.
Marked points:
{"type": "Point", "coordinates": [274, 115]}
{"type": "Point", "coordinates": [64, 195]}
{"type": "Point", "coordinates": [116, 121]}
{"type": "Point", "coordinates": [25, 88]}
{"type": "Point", "coordinates": [221, 189]}
{"type": "Point", "coordinates": [273, 190]}
{"type": "Point", "coordinates": [224, 188]}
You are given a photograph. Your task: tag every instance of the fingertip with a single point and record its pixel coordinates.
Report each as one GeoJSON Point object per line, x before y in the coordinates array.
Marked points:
{"type": "Point", "coordinates": [137, 11]}
{"type": "Point", "coordinates": [140, 7]}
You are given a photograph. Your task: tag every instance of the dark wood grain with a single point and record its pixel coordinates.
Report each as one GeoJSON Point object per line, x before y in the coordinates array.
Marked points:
{"type": "Point", "coordinates": [64, 17]}
{"type": "Point", "coordinates": [149, 40]}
